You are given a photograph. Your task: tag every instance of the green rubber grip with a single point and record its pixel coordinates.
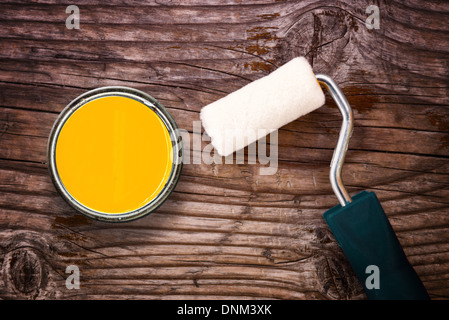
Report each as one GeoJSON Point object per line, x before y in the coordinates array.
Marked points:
{"type": "Point", "coordinates": [368, 241]}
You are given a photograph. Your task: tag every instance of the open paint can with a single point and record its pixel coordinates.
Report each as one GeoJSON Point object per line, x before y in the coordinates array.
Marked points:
{"type": "Point", "coordinates": [115, 154]}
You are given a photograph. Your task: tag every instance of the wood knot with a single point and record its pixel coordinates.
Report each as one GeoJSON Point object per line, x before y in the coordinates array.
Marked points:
{"type": "Point", "coordinates": [321, 36]}
{"type": "Point", "coordinates": [323, 235]}
{"type": "Point", "coordinates": [24, 275]}
{"type": "Point", "coordinates": [337, 279]}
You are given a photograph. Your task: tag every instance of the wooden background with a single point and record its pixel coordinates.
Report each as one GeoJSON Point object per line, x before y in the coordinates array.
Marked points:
{"type": "Point", "coordinates": [226, 231]}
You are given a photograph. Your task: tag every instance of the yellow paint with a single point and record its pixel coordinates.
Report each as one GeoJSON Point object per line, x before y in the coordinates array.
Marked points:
{"type": "Point", "coordinates": [114, 155]}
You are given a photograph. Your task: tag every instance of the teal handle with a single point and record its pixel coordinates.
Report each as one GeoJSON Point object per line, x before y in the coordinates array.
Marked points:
{"type": "Point", "coordinates": [368, 241]}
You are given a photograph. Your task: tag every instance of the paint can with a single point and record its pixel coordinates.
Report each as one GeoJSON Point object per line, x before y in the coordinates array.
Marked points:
{"type": "Point", "coordinates": [115, 154]}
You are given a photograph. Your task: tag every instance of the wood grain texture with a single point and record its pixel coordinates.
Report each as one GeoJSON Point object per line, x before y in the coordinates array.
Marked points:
{"type": "Point", "coordinates": [226, 231]}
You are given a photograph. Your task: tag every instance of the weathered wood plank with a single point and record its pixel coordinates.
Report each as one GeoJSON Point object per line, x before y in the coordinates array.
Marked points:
{"type": "Point", "coordinates": [226, 231]}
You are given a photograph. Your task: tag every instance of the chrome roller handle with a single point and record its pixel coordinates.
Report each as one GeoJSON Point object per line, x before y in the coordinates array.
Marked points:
{"type": "Point", "coordinates": [343, 139]}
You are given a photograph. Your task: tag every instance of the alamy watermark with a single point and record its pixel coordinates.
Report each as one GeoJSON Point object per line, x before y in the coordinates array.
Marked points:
{"type": "Point", "coordinates": [373, 280]}
{"type": "Point", "coordinates": [373, 20]}
{"type": "Point", "coordinates": [73, 20]}
{"type": "Point", "coordinates": [73, 280]}
{"type": "Point", "coordinates": [198, 148]}
{"type": "Point", "coordinates": [261, 152]}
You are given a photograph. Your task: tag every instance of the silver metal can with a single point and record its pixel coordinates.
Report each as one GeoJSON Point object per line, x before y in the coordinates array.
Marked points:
{"type": "Point", "coordinates": [168, 122]}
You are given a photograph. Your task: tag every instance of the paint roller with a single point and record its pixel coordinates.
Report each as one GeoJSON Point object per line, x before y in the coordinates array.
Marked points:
{"type": "Point", "coordinates": [359, 224]}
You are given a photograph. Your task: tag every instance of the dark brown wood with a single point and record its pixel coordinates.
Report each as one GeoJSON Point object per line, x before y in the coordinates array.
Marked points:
{"type": "Point", "coordinates": [226, 231]}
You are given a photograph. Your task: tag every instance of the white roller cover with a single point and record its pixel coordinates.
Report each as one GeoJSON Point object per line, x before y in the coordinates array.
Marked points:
{"type": "Point", "coordinates": [262, 106]}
